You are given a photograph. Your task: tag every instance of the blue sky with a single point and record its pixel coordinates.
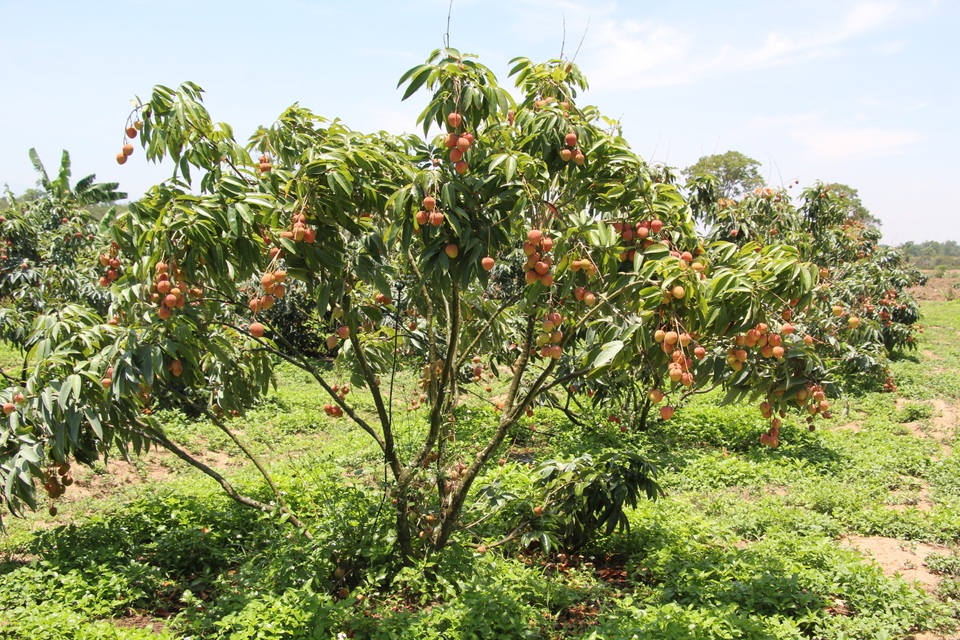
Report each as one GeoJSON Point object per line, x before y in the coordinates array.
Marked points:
{"type": "Point", "coordinates": [864, 92]}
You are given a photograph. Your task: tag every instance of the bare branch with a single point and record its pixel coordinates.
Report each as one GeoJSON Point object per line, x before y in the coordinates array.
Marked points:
{"type": "Point", "coordinates": [446, 36]}
{"type": "Point", "coordinates": [577, 52]}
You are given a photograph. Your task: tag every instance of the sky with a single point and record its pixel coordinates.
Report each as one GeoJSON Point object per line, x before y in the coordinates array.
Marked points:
{"type": "Point", "coordinates": [861, 92]}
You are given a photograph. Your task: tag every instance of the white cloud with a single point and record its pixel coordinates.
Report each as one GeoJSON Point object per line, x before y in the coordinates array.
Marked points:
{"type": "Point", "coordinates": [633, 55]}
{"type": "Point", "coordinates": [866, 16]}
{"type": "Point", "coordinates": [639, 54]}
{"type": "Point", "coordinates": [786, 120]}
{"type": "Point", "coordinates": [828, 142]}
{"type": "Point", "coordinates": [917, 105]}
{"type": "Point", "coordinates": [893, 47]}
{"type": "Point", "coordinates": [574, 13]}
{"type": "Point", "coordinates": [835, 143]}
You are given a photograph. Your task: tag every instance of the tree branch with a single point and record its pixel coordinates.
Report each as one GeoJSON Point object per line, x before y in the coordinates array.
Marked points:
{"type": "Point", "coordinates": [389, 445]}
{"type": "Point", "coordinates": [151, 434]}
{"type": "Point", "coordinates": [236, 440]}
{"type": "Point", "coordinates": [503, 307]}
{"type": "Point", "coordinates": [306, 366]}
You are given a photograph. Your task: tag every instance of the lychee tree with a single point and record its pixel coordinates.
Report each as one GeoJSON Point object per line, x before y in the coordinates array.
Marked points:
{"type": "Point", "coordinates": [517, 239]}
{"type": "Point", "coordinates": [864, 311]}
{"type": "Point", "coordinates": [47, 243]}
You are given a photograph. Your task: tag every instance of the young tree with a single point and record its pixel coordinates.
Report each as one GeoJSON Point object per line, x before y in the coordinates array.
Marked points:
{"type": "Point", "coordinates": [593, 261]}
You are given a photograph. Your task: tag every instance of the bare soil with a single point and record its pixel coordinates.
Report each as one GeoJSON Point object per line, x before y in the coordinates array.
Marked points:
{"type": "Point", "coordinates": [899, 557]}
{"type": "Point", "coordinates": [945, 288]}
{"type": "Point", "coordinates": [852, 427]}
{"type": "Point", "coordinates": [138, 621]}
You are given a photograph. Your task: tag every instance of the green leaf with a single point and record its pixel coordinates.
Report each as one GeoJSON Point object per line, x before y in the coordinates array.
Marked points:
{"type": "Point", "coordinates": [417, 76]}
{"type": "Point", "coordinates": [510, 168]}
{"type": "Point", "coordinates": [607, 353]}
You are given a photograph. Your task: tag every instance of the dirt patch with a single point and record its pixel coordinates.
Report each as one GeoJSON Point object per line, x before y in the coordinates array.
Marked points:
{"type": "Point", "coordinates": [930, 635]}
{"type": "Point", "coordinates": [947, 288]}
{"type": "Point", "coordinates": [773, 490]}
{"type": "Point", "coordinates": [945, 420]}
{"type": "Point", "coordinates": [897, 556]}
{"type": "Point", "coordinates": [98, 483]}
{"type": "Point", "coordinates": [942, 427]}
{"type": "Point", "coordinates": [137, 621]}
{"type": "Point", "coordinates": [852, 427]}
{"type": "Point", "coordinates": [18, 559]}
{"type": "Point", "coordinates": [153, 467]}
{"type": "Point", "coordinates": [930, 355]}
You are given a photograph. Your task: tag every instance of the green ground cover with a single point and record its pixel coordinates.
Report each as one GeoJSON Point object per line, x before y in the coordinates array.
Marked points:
{"type": "Point", "coordinates": [747, 542]}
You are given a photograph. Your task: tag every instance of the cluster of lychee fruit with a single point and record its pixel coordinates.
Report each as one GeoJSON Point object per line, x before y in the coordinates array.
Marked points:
{"type": "Point", "coordinates": [538, 264]}
{"type": "Point", "coordinates": [129, 134]}
{"type": "Point", "coordinates": [656, 397]}
{"type": "Point", "coordinates": [111, 262]}
{"type": "Point", "coordinates": [551, 336]}
{"type": "Point", "coordinates": [888, 305]}
{"type": "Point", "coordinates": [765, 192]}
{"type": "Point", "coordinates": [480, 370]}
{"type": "Point", "coordinates": [770, 344]}
{"type": "Point", "coordinates": [75, 237]}
{"type": "Point", "coordinates": [335, 410]}
{"type": "Point", "coordinates": [417, 399]}
{"type": "Point", "coordinates": [272, 288]}
{"type": "Point", "coordinates": [889, 385]}
{"type": "Point", "coordinates": [56, 479]}
{"type": "Point", "coordinates": [812, 396]}
{"type": "Point", "coordinates": [10, 407]}
{"type": "Point", "coordinates": [680, 368]}
{"type": "Point", "coordinates": [299, 230]}
{"type": "Point", "coordinates": [771, 437]}
{"type": "Point", "coordinates": [581, 293]}
{"type": "Point", "coordinates": [638, 235]}
{"type": "Point", "coordinates": [168, 292]}
{"type": "Point", "coordinates": [342, 333]}
{"type": "Point", "coordinates": [689, 259]}
{"type": "Point", "coordinates": [424, 382]}
{"type": "Point", "coordinates": [455, 472]}
{"type": "Point", "coordinates": [676, 344]}
{"type": "Point", "coordinates": [458, 143]}
{"type": "Point", "coordinates": [265, 166]}
{"type": "Point", "coordinates": [571, 151]}
{"type": "Point", "coordinates": [107, 380]}
{"type": "Point", "coordinates": [429, 214]}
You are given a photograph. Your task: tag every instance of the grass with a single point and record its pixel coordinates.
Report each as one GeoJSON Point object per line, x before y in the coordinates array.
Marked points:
{"type": "Point", "coordinates": [747, 542]}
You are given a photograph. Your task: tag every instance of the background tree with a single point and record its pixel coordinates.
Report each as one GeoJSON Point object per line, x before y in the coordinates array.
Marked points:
{"type": "Point", "coordinates": [852, 204]}
{"type": "Point", "coordinates": [932, 254]}
{"type": "Point", "coordinates": [736, 173]}
{"type": "Point", "coordinates": [48, 244]}
{"type": "Point", "coordinates": [867, 311]}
